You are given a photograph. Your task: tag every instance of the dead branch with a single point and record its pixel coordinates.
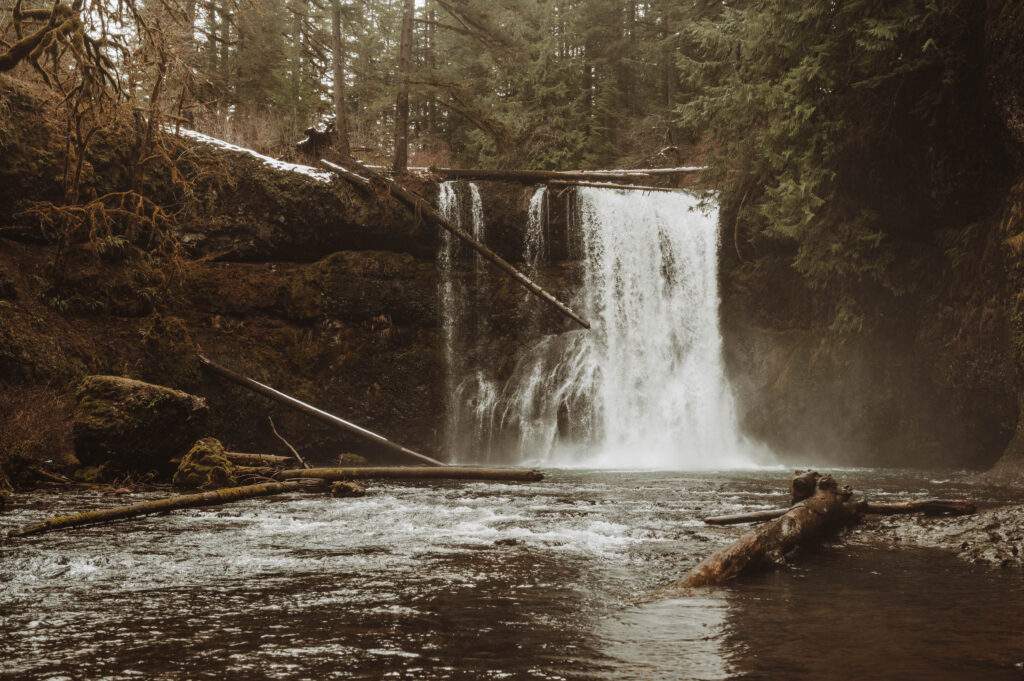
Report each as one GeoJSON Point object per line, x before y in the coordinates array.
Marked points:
{"type": "Point", "coordinates": [287, 444]}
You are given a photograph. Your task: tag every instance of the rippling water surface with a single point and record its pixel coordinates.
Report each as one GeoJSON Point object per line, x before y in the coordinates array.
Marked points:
{"type": "Point", "coordinates": [479, 581]}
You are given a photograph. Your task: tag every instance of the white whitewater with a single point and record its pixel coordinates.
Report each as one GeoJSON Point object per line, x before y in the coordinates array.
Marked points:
{"type": "Point", "coordinates": [646, 387]}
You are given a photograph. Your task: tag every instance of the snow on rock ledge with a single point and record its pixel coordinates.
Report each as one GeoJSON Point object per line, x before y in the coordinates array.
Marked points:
{"type": "Point", "coordinates": [309, 171]}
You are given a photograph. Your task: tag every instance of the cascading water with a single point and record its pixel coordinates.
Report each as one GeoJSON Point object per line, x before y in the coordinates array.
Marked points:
{"type": "Point", "coordinates": [646, 387]}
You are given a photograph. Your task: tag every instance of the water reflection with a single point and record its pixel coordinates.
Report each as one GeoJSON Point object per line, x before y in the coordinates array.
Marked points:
{"type": "Point", "coordinates": [481, 581]}
{"type": "Point", "coordinates": [878, 612]}
{"type": "Point", "coordinates": [672, 639]}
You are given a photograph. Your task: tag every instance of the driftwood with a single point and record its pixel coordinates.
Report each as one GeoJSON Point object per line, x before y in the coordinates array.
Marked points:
{"type": "Point", "coordinates": [421, 207]}
{"type": "Point", "coordinates": [258, 460]}
{"type": "Point", "coordinates": [414, 473]}
{"type": "Point", "coordinates": [770, 542]}
{"type": "Point", "coordinates": [212, 498]}
{"type": "Point", "coordinates": [310, 410]}
{"type": "Point", "coordinates": [927, 506]}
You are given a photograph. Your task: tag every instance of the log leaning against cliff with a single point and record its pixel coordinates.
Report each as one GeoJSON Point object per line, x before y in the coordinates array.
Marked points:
{"type": "Point", "coordinates": [310, 410]}
{"type": "Point", "coordinates": [421, 207]}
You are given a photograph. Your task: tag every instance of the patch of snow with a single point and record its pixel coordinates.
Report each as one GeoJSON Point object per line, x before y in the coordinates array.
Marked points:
{"type": "Point", "coordinates": [277, 164]}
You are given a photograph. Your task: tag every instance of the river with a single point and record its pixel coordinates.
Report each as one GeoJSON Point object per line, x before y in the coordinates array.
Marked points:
{"type": "Point", "coordinates": [469, 580]}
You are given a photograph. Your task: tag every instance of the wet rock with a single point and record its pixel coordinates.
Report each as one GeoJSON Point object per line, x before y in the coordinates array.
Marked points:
{"type": "Point", "coordinates": [5, 489]}
{"type": "Point", "coordinates": [206, 466]}
{"type": "Point", "coordinates": [346, 488]}
{"type": "Point", "coordinates": [135, 426]}
{"type": "Point", "coordinates": [92, 474]}
{"type": "Point", "coordinates": [7, 289]}
{"type": "Point", "coordinates": [352, 460]}
{"type": "Point", "coordinates": [994, 537]}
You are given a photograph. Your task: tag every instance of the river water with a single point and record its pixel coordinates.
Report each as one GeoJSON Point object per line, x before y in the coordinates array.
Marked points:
{"type": "Point", "coordinates": [468, 580]}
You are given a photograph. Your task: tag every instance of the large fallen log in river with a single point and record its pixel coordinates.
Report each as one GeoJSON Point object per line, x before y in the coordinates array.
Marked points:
{"type": "Point", "coordinates": [827, 507]}
{"type": "Point", "coordinates": [414, 473]}
{"type": "Point", "coordinates": [212, 498]}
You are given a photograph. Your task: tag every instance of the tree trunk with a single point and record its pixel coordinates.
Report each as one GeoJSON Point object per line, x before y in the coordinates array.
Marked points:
{"type": "Point", "coordinates": [310, 410]}
{"type": "Point", "coordinates": [431, 62]}
{"type": "Point", "coordinates": [772, 541]}
{"type": "Point", "coordinates": [414, 473]}
{"type": "Point", "coordinates": [421, 207]}
{"type": "Point", "coordinates": [338, 60]}
{"type": "Point", "coordinates": [213, 498]}
{"type": "Point", "coordinates": [402, 100]}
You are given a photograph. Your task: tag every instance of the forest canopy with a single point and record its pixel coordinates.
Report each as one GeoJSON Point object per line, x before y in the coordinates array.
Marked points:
{"type": "Point", "coordinates": [836, 129]}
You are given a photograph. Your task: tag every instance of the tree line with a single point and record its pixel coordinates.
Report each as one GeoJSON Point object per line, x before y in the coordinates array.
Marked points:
{"type": "Point", "coordinates": [836, 131]}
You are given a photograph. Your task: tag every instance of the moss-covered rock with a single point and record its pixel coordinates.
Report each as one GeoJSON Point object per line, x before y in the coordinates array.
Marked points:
{"type": "Point", "coordinates": [205, 465]}
{"type": "Point", "coordinates": [136, 426]}
{"type": "Point", "coordinates": [352, 460]}
{"type": "Point", "coordinates": [347, 488]}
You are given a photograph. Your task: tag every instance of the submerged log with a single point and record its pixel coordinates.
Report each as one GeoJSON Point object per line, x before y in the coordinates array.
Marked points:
{"type": "Point", "coordinates": [212, 498]}
{"type": "Point", "coordinates": [310, 410]}
{"type": "Point", "coordinates": [414, 473]}
{"type": "Point", "coordinates": [772, 541]}
{"type": "Point", "coordinates": [752, 517]}
{"type": "Point", "coordinates": [421, 207]}
{"type": "Point", "coordinates": [927, 506]}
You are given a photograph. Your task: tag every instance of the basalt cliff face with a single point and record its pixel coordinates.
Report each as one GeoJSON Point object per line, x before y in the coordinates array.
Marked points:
{"type": "Point", "coordinates": [331, 295]}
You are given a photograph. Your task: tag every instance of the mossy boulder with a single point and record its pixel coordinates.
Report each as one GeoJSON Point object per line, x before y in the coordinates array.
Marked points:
{"type": "Point", "coordinates": [134, 425]}
{"type": "Point", "coordinates": [352, 460]}
{"type": "Point", "coordinates": [206, 465]}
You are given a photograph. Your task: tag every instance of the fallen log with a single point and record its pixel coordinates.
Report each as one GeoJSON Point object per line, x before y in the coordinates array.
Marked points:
{"type": "Point", "coordinates": [422, 208]}
{"type": "Point", "coordinates": [414, 473]}
{"type": "Point", "coordinates": [610, 185]}
{"type": "Point", "coordinates": [212, 498]}
{"type": "Point", "coordinates": [927, 506]}
{"type": "Point", "coordinates": [538, 176]}
{"type": "Point", "coordinates": [258, 460]}
{"type": "Point", "coordinates": [310, 410]}
{"type": "Point", "coordinates": [770, 542]}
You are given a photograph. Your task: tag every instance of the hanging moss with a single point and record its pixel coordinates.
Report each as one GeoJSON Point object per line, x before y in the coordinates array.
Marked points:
{"type": "Point", "coordinates": [205, 465]}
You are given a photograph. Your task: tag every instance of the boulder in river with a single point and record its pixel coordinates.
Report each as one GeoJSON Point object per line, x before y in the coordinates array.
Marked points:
{"type": "Point", "coordinates": [134, 425]}
{"type": "Point", "coordinates": [206, 466]}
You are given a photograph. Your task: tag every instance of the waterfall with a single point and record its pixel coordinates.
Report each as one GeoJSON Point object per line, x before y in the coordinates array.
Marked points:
{"type": "Point", "coordinates": [536, 243]}
{"type": "Point", "coordinates": [646, 387]}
